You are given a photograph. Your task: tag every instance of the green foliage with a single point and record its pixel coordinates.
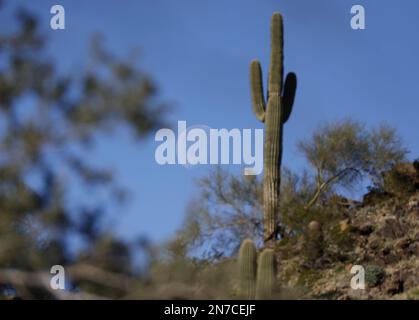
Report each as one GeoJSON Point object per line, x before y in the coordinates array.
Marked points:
{"type": "Point", "coordinates": [374, 275]}
{"type": "Point", "coordinates": [274, 114]}
{"type": "Point", "coordinates": [247, 269]}
{"type": "Point", "coordinates": [265, 283]}
{"type": "Point", "coordinates": [50, 121]}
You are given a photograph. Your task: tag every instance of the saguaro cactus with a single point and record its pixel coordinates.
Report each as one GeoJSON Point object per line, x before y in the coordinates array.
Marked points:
{"type": "Point", "coordinates": [314, 241]}
{"type": "Point", "coordinates": [247, 270]}
{"type": "Point", "coordinates": [277, 111]}
{"type": "Point", "coordinates": [265, 275]}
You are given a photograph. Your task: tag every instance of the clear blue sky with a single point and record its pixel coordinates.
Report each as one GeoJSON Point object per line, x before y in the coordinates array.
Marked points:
{"type": "Point", "coordinates": [198, 53]}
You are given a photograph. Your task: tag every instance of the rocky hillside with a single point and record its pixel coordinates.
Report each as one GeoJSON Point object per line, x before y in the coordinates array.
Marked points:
{"type": "Point", "coordinates": [381, 234]}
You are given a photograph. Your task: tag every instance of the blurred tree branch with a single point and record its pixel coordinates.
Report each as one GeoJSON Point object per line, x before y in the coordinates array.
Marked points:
{"type": "Point", "coordinates": [49, 120]}
{"type": "Point", "coordinates": [22, 280]}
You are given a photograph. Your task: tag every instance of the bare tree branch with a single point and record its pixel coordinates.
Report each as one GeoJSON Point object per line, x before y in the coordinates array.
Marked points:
{"type": "Point", "coordinates": [322, 187]}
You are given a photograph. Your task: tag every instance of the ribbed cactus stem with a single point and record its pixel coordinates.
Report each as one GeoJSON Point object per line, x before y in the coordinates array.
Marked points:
{"type": "Point", "coordinates": [247, 270]}
{"type": "Point", "coordinates": [265, 280]}
{"type": "Point", "coordinates": [274, 114]}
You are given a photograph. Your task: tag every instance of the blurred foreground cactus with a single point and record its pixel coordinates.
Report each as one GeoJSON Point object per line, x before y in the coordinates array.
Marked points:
{"type": "Point", "coordinates": [280, 100]}
{"type": "Point", "coordinates": [265, 275]}
{"type": "Point", "coordinates": [252, 285]}
{"type": "Point", "coordinates": [247, 269]}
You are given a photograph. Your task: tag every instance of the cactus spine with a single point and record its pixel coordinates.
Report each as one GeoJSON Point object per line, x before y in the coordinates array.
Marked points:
{"type": "Point", "coordinates": [247, 270]}
{"type": "Point", "coordinates": [265, 275]}
{"type": "Point", "coordinates": [277, 111]}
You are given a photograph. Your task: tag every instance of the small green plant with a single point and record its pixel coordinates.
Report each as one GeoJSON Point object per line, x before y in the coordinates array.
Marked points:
{"type": "Point", "coordinates": [374, 275]}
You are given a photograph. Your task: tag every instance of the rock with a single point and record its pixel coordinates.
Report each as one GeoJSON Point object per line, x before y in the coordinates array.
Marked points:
{"type": "Point", "coordinates": [373, 243]}
{"type": "Point", "coordinates": [390, 257]}
{"type": "Point", "coordinates": [414, 249]}
{"type": "Point", "coordinates": [314, 226]}
{"type": "Point", "coordinates": [375, 196]}
{"type": "Point", "coordinates": [392, 228]}
{"type": "Point", "coordinates": [403, 243]}
{"type": "Point", "coordinates": [410, 280]}
{"type": "Point", "coordinates": [394, 286]}
{"type": "Point", "coordinates": [406, 169]}
{"type": "Point", "coordinates": [344, 225]}
{"type": "Point", "coordinates": [366, 229]}
{"type": "Point", "coordinates": [413, 203]}
{"type": "Point", "coordinates": [403, 178]}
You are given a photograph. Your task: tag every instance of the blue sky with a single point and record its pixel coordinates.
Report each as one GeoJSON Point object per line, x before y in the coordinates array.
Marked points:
{"type": "Point", "coordinates": [198, 54]}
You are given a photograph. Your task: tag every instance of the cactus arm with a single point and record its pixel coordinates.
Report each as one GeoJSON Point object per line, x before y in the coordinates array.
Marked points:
{"type": "Point", "coordinates": [276, 65]}
{"type": "Point", "coordinates": [290, 87]}
{"type": "Point", "coordinates": [258, 101]}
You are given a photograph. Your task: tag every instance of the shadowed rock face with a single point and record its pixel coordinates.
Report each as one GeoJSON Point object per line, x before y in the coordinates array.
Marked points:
{"type": "Point", "coordinates": [404, 177]}
{"type": "Point", "coordinates": [401, 179]}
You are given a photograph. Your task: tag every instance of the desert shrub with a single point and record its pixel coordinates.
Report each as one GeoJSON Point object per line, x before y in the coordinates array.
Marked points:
{"type": "Point", "coordinates": [345, 153]}
{"type": "Point", "coordinates": [402, 179]}
{"type": "Point", "coordinates": [374, 275]}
